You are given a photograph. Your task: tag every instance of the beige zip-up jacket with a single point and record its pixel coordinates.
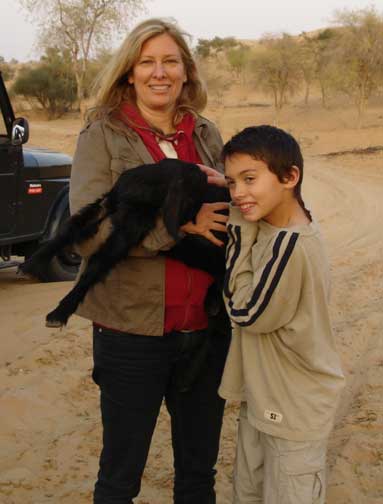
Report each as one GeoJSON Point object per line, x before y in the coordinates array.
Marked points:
{"type": "Point", "coordinates": [131, 298]}
{"type": "Point", "coordinates": [282, 359]}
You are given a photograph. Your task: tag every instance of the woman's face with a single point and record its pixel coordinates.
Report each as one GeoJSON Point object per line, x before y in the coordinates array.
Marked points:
{"type": "Point", "coordinates": [159, 74]}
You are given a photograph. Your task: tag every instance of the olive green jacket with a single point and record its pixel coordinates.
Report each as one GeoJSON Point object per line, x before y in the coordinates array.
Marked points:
{"type": "Point", "coordinates": [131, 298]}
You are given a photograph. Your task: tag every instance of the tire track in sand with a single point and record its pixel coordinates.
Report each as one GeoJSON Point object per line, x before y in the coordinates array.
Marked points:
{"type": "Point", "coordinates": [347, 196]}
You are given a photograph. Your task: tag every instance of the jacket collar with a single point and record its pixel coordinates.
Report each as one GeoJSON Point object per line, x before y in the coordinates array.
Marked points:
{"type": "Point", "coordinates": [200, 134]}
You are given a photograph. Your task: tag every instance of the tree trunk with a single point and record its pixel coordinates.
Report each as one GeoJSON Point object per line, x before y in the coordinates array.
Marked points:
{"type": "Point", "coordinates": [79, 68]}
{"type": "Point", "coordinates": [277, 111]}
{"type": "Point", "coordinates": [275, 99]}
{"type": "Point", "coordinates": [323, 93]}
{"type": "Point", "coordinates": [361, 107]}
{"type": "Point", "coordinates": [80, 89]}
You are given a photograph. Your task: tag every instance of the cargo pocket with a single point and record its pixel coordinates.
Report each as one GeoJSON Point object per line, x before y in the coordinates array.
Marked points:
{"type": "Point", "coordinates": [302, 474]}
{"type": "Point", "coordinates": [319, 487]}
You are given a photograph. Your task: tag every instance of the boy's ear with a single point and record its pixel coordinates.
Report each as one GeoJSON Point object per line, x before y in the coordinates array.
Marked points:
{"type": "Point", "coordinates": [292, 179]}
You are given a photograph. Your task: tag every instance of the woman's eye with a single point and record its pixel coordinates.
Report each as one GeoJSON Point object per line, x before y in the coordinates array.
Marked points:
{"type": "Point", "coordinates": [172, 61]}
{"type": "Point", "coordinates": [248, 180]}
{"type": "Point", "coordinates": [145, 62]}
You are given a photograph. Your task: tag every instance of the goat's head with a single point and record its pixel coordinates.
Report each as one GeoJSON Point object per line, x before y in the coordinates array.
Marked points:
{"type": "Point", "coordinates": [185, 196]}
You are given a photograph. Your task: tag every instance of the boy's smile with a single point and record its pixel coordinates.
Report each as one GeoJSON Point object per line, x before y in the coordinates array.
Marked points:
{"type": "Point", "coordinates": [257, 191]}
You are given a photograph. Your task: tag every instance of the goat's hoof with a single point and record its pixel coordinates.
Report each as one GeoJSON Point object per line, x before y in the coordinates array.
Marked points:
{"type": "Point", "coordinates": [23, 269]}
{"type": "Point", "coordinates": [56, 318]}
{"type": "Point", "coordinates": [54, 323]}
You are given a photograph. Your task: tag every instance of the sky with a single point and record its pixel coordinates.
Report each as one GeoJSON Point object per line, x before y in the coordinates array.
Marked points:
{"type": "Point", "coordinates": [243, 19]}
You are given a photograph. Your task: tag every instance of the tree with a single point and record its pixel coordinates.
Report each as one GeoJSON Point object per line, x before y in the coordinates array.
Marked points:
{"type": "Point", "coordinates": [307, 66]}
{"type": "Point", "coordinates": [52, 83]}
{"type": "Point", "coordinates": [325, 68]}
{"type": "Point", "coordinates": [221, 44]}
{"type": "Point", "coordinates": [6, 69]}
{"type": "Point", "coordinates": [206, 47]}
{"type": "Point", "coordinates": [276, 69]}
{"type": "Point", "coordinates": [203, 48]}
{"type": "Point", "coordinates": [238, 59]}
{"type": "Point", "coordinates": [359, 55]}
{"type": "Point", "coordinates": [317, 61]}
{"type": "Point", "coordinates": [94, 67]}
{"type": "Point", "coordinates": [81, 26]}
{"type": "Point", "coordinates": [217, 87]}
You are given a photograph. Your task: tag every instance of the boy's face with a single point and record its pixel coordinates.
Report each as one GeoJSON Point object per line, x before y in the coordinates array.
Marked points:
{"type": "Point", "coordinates": [255, 190]}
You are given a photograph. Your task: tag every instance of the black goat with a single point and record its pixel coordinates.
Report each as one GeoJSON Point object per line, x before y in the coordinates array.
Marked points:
{"type": "Point", "coordinates": [173, 188]}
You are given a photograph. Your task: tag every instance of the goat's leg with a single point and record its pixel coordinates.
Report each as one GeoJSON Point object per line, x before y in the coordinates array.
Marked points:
{"type": "Point", "coordinates": [79, 228]}
{"type": "Point", "coordinates": [115, 248]}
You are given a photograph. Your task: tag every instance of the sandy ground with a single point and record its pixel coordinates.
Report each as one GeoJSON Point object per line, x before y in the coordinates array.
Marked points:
{"type": "Point", "coordinates": [49, 421]}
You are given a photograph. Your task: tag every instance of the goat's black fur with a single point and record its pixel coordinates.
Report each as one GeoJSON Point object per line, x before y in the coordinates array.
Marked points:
{"type": "Point", "coordinates": [173, 188]}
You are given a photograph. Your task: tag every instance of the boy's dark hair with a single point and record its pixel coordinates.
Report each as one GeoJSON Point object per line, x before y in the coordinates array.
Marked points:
{"type": "Point", "coordinates": [274, 146]}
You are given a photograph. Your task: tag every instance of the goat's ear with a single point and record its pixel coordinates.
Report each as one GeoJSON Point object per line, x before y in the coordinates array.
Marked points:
{"type": "Point", "coordinates": [172, 210]}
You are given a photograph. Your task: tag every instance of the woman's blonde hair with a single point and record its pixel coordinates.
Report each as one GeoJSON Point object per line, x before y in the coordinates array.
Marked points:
{"type": "Point", "coordinates": [112, 86]}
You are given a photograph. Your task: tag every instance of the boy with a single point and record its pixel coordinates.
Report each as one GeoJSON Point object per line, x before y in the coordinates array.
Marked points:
{"type": "Point", "coordinates": [282, 363]}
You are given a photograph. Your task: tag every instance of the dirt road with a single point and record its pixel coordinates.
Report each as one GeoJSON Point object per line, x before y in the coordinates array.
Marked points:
{"type": "Point", "coordinates": [49, 421]}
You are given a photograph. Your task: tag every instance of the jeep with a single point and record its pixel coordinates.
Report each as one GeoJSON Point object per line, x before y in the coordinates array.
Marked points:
{"type": "Point", "coordinates": [34, 204]}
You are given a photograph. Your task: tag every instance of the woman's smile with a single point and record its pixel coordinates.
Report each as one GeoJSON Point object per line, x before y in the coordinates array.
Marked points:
{"type": "Point", "coordinates": [159, 87]}
{"type": "Point", "coordinates": [159, 74]}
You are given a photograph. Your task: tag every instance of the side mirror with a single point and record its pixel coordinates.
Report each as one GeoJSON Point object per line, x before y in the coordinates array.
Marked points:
{"type": "Point", "coordinates": [20, 131]}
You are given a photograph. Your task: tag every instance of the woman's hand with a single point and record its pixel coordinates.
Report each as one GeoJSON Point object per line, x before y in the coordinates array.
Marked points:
{"type": "Point", "coordinates": [213, 176]}
{"type": "Point", "coordinates": [208, 220]}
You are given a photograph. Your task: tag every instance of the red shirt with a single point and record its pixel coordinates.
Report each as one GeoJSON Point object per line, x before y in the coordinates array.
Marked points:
{"type": "Point", "coordinates": [185, 292]}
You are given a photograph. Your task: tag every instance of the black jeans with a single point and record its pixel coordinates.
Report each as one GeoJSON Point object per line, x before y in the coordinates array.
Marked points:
{"type": "Point", "coordinates": [135, 373]}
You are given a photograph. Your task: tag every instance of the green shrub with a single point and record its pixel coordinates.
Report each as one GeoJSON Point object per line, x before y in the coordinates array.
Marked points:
{"type": "Point", "coordinates": [51, 83]}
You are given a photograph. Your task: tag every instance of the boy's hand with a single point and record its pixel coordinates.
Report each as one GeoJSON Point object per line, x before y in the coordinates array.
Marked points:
{"type": "Point", "coordinates": [213, 176]}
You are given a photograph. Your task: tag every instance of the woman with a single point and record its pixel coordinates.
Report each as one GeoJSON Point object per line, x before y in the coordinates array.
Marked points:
{"type": "Point", "coordinates": [149, 315]}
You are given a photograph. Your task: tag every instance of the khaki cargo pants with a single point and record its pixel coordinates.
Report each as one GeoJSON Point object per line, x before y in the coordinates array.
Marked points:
{"type": "Point", "coordinates": [271, 470]}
